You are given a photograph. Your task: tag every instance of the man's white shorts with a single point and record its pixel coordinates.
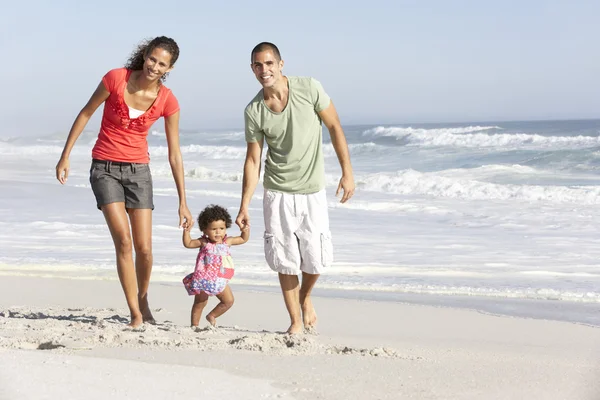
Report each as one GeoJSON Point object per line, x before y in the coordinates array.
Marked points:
{"type": "Point", "coordinates": [297, 236]}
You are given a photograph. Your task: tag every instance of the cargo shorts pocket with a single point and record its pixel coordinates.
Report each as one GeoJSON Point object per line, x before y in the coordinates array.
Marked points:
{"type": "Point", "coordinates": [271, 251]}
{"type": "Point", "coordinates": [326, 249]}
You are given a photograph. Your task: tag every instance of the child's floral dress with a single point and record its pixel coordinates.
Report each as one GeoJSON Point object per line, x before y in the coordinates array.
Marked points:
{"type": "Point", "coordinates": [214, 269]}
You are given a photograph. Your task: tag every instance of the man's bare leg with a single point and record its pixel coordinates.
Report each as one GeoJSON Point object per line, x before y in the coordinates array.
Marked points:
{"type": "Point", "coordinates": [141, 228]}
{"type": "Point", "coordinates": [200, 301]}
{"type": "Point", "coordinates": [291, 296]}
{"type": "Point", "coordinates": [309, 316]}
{"type": "Point", "coordinates": [116, 219]}
{"type": "Point", "coordinates": [226, 301]}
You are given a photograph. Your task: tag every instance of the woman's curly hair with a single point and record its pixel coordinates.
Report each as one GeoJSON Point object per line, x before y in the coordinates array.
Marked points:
{"type": "Point", "coordinates": [137, 58]}
{"type": "Point", "coordinates": [213, 213]}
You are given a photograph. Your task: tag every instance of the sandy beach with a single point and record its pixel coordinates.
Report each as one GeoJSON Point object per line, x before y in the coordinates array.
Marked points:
{"type": "Point", "coordinates": [66, 338]}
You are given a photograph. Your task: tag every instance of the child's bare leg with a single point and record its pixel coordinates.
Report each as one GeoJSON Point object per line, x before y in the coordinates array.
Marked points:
{"type": "Point", "coordinates": [226, 301]}
{"type": "Point", "coordinates": [200, 301]}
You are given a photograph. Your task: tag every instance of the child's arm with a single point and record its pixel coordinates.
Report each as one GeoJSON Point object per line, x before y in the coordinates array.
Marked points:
{"type": "Point", "coordinates": [187, 240]}
{"type": "Point", "coordinates": [243, 238]}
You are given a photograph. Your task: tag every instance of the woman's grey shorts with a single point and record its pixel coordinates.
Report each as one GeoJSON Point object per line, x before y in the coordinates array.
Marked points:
{"type": "Point", "coordinates": [130, 183]}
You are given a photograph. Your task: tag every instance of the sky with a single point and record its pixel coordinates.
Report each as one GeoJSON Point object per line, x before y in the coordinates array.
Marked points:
{"type": "Point", "coordinates": [381, 62]}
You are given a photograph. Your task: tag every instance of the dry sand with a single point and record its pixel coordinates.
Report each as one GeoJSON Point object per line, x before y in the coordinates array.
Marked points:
{"type": "Point", "coordinates": [67, 339]}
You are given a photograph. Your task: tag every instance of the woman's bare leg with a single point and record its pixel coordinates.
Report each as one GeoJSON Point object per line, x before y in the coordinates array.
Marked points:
{"type": "Point", "coordinates": [141, 228]}
{"type": "Point", "coordinates": [118, 224]}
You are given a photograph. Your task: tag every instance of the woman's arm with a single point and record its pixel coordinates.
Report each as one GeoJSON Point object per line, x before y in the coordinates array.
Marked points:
{"type": "Point", "coordinates": [98, 97]}
{"type": "Point", "coordinates": [176, 162]}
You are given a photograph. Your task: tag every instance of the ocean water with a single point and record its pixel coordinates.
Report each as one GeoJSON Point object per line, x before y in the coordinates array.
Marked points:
{"type": "Point", "coordinates": [499, 210]}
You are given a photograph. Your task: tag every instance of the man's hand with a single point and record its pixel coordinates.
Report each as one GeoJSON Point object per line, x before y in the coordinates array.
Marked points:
{"type": "Point", "coordinates": [347, 185]}
{"type": "Point", "coordinates": [243, 220]}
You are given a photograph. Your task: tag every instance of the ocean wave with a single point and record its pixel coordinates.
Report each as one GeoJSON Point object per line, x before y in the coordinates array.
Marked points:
{"type": "Point", "coordinates": [205, 193]}
{"type": "Point", "coordinates": [475, 136]}
{"type": "Point", "coordinates": [357, 149]}
{"type": "Point", "coordinates": [262, 277]}
{"type": "Point", "coordinates": [207, 174]}
{"type": "Point", "coordinates": [45, 149]}
{"type": "Point", "coordinates": [479, 291]}
{"type": "Point", "coordinates": [206, 151]}
{"type": "Point", "coordinates": [389, 206]}
{"type": "Point", "coordinates": [411, 182]}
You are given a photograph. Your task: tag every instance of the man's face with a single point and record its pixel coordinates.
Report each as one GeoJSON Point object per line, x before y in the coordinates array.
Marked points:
{"type": "Point", "coordinates": [267, 68]}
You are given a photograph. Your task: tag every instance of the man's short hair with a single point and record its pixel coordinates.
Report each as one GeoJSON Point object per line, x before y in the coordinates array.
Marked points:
{"type": "Point", "coordinates": [264, 46]}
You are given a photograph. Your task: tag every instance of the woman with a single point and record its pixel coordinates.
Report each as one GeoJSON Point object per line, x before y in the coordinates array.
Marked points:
{"type": "Point", "coordinates": [134, 98]}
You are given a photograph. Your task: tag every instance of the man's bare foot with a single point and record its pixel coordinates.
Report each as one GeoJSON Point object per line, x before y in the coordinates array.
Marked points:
{"type": "Point", "coordinates": [309, 316]}
{"type": "Point", "coordinates": [294, 329]}
{"type": "Point", "coordinates": [145, 310]}
{"type": "Point", "coordinates": [211, 320]}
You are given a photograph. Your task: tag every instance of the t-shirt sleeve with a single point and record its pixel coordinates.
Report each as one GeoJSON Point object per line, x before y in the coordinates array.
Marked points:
{"type": "Point", "coordinates": [171, 105]}
{"type": "Point", "coordinates": [320, 99]}
{"type": "Point", "coordinates": [112, 78]}
{"type": "Point", "coordinates": [253, 132]}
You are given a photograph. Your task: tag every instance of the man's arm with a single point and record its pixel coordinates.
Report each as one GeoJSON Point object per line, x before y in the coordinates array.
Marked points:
{"type": "Point", "coordinates": [338, 140]}
{"type": "Point", "coordinates": [249, 182]}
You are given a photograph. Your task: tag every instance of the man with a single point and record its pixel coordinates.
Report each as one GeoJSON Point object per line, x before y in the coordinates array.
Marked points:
{"type": "Point", "coordinates": [288, 113]}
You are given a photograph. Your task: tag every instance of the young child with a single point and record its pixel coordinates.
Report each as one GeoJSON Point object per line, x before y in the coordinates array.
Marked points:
{"type": "Point", "coordinates": [214, 266]}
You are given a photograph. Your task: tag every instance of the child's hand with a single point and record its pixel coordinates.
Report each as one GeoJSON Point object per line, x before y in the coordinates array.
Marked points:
{"type": "Point", "coordinates": [245, 229]}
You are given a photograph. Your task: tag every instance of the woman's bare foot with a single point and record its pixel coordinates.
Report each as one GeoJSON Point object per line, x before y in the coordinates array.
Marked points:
{"type": "Point", "coordinates": [294, 329]}
{"type": "Point", "coordinates": [145, 310]}
{"type": "Point", "coordinates": [309, 316]}
{"type": "Point", "coordinates": [136, 321]}
{"type": "Point", "coordinates": [211, 320]}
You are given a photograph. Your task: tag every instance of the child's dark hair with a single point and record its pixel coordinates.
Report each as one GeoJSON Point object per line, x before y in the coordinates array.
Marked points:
{"type": "Point", "coordinates": [213, 213]}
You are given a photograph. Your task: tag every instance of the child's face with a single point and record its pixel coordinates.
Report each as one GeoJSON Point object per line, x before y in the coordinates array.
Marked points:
{"type": "Point", "coordinates": [216, 231]}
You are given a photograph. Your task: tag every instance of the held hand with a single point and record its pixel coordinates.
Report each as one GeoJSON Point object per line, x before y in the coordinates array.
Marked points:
{"type": "Point", "coordinates": [62, 170]}
{"type": "Point", "coordinates": [243, 220]}
{"type": "Point", "coordinates": [347, 185]}
{"type": "Point", "coordinates": [185, 218]}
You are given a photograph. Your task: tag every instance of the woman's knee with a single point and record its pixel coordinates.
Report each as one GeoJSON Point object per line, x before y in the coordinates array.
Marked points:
{"type": "Point", "coordinates": [143, 250]}
{"type": "Point", "coordinates": [123, 244]}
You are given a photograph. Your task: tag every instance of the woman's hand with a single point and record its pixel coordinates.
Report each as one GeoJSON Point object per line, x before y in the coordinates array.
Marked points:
{"type": "Point", "coordinates": [185, 218]}
{"type": "Point", "coordinates": [62, 170]}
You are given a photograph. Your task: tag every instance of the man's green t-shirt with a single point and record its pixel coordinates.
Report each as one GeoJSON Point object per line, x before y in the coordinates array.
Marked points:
{"type": "Point", "coordinates": [294, 161]}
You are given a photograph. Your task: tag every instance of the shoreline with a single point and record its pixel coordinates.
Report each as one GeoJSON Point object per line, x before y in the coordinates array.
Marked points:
{"type": "Point", "coordinates": [578, 312]}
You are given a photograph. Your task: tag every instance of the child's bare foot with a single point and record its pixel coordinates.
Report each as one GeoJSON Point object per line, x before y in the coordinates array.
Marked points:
{"type": "Point", "coordinates": [145, 310]}
{"type": "Point", "coordinates": [309, 316]}
{"type": "Point", "coordinates": [294, 329]}
{"type": "Point", "coordinates": [211, 320]}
